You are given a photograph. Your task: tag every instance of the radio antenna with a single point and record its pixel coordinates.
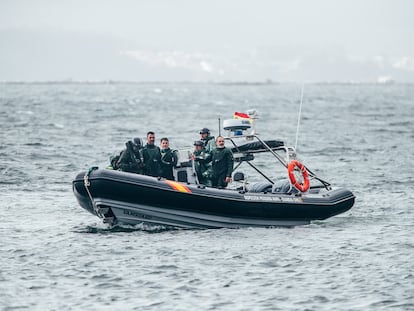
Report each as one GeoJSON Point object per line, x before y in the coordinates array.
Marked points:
{"type": "Point", "coordinates": [300, 111]}
{"type": "Point", "coordinates": [219, 125]}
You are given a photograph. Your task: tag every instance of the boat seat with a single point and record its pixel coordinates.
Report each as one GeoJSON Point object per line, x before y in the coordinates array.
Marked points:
{"type": "Point", "coordinates": [283, 186]}
{"type": "Point", "coordinates": [239, 178]}
{"type": "Point", "coordinates": [262, 186]}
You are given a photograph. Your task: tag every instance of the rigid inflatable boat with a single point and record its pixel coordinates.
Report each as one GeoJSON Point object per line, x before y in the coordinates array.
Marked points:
{"type": "Point", "coordinates": [131, 199]}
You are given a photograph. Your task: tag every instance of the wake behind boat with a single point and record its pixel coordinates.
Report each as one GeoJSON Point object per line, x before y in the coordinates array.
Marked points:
{"type": "Point", "coordinates": [127, 198]}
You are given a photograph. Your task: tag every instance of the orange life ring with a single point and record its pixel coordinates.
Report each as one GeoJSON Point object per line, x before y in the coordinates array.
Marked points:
{"type": "Point", "coordinates": [291, 167]}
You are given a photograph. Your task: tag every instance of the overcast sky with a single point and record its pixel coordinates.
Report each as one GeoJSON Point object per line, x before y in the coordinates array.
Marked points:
{"type": "Point", "coordinates": [214, 40]}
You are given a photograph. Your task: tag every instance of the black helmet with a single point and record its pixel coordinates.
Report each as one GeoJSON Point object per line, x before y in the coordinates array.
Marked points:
{"type": "Point", "coordinates": [198, 143]}
{"type": "Point", "coordinates": [138, 141]}
{"type": "Point", "coordinates": [204, 130]}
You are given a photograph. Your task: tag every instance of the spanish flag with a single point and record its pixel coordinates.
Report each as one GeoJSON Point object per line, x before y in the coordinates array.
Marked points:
{"type": "Point", "coordinates": [241, 115]}
{"type": "Point", "coordinates": [178, 186]}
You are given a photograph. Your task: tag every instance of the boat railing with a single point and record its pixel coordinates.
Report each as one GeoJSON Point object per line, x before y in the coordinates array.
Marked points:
{"type": "Point", "coordinates": [290, 154]}
{"type": "Point", "coordinates": [185, 171]}
{"type": "Point", "coordinates": [245, 154]}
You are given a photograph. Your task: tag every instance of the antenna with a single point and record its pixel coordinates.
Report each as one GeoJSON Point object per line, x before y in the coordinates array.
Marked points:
{"type": "Point", "coordinates": [300, 111]}
{"type": "Point", "coordinates": [219, 125]}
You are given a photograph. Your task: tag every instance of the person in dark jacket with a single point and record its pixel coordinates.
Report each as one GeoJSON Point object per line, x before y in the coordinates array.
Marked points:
{"type": "Point", "coordinates": [202, 169]}
{"type": "Point", "coordinates": [209, 142]}
{"type": "Point", "coordinates": [222, 161]}
{"type": "Point", "coordinates": [130, 159]}
{"type": "Point", "coordinates": [152, 156]}
{"type": "Point", "coordinates": [169, 159]}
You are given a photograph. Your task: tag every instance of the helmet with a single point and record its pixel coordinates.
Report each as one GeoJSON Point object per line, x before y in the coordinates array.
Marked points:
{"type": "Point", "coordinates": [198, 143]}
{"type": "Point", "coordinates": [204, 130]}
{"type": "Point", "coordinates": [138, 141]}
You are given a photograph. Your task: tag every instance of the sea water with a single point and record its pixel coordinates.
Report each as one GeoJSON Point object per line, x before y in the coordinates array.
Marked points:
{"type": "Point", "coordinates": [56, 256]}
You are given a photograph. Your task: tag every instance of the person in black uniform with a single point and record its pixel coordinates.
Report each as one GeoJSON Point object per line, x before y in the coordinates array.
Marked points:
{"type": "Point", "coordinates": [152, 156]}
{"type": "Point", "coordinates": [130, 159]}
{"type": "Point", "coordinates": [209, 142]}
{"type": "Point", "coordinates": [202, 169]}
{"type": "Point", "coordinates": [169, 159]}
{"type": "Point", "coordinates": [222, 161]}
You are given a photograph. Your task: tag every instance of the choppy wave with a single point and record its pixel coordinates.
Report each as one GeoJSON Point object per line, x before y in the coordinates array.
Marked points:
{"type": "Point", "coordinates": [60, 257]}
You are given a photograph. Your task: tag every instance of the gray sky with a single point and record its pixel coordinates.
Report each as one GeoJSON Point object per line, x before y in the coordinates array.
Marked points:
{"type": "Point", "coordinates": [215, 40]}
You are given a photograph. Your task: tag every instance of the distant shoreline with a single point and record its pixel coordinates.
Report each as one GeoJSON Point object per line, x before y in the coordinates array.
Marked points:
{"type": "Point", "coordinates": [247, 83]}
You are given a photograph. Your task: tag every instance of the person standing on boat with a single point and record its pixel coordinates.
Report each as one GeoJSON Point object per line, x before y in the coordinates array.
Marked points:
{"type": "Point", "coordinates": [152, 156]}
{"type": "Point", "coordinates": [222, 161]}
{"type": "Point", "coordinates": [169, 159]}
{"type": "Point", "coordinates": [209, 142]}
{"type": "Point", "coordinates": [202, 169]}
{"type": "Point", "coordinates": [130, 159]}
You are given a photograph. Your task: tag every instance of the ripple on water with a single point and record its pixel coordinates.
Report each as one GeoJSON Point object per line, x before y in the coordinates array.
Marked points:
{"type": "Point", "coordinates": [60, 257]}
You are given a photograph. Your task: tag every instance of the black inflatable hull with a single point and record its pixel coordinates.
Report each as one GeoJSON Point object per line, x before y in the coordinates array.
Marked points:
{"type": "Point", "coordinates": [125, 198]}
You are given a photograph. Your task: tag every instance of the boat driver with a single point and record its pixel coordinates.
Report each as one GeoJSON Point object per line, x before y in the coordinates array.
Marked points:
{"type": "Point", "coordinates": [222, 161]}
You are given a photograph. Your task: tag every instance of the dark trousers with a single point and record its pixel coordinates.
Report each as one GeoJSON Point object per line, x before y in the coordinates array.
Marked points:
{"type": "Point", "coordinates": [219, 181]}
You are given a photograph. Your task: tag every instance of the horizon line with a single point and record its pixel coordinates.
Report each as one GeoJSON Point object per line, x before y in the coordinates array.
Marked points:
{"type": "Point", "coordinates": [230, 82]}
